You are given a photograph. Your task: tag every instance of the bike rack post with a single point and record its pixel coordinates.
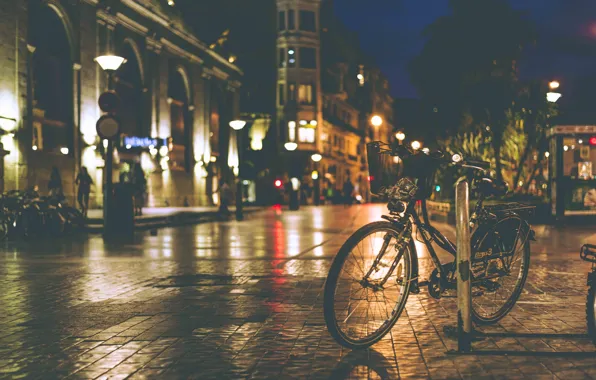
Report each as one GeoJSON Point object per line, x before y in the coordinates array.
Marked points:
{"type": "Point", "coordinates": [464, 289]}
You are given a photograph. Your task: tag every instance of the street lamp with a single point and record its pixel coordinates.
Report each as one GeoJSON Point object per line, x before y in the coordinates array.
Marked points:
{"type": "Point", "coordinates": [416, 145]}
{"type": "Point", "coordinates": [553, 96]}
{"type": "Point", "coordinates": [315, 176]}
{"type": "Point", "coordinates": [237, 125]}
{"type": "Point", "coordinates": [400, 136]}
{"type": "Point", "coordinates": [108, 102]}
{"type": "Point", "coordinates": [376, 121]}
{"type": "Point", "coordinates": [291, 146]}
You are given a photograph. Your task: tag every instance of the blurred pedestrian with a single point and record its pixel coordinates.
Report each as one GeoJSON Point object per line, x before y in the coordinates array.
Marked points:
{"type": "Point", "coordinates": [55, 184]}
{"type": "Point", "coordinates": [84, 181]}
{"type": "Point", "coordinates": [140, 188]}
{"type": "Point", "coordinates": [225, 197]}
{"type": "Point", "coordinates": [348, 192]}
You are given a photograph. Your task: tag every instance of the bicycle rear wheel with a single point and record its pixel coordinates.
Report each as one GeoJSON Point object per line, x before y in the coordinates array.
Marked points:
{"type": "Point", "coordinates": [360, 306]}
{"type": "Point", "coordinates": [500, 264]}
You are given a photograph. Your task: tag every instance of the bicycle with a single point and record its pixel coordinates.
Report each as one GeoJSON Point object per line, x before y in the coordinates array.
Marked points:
{"type": "Point", "coordinates": [588, 253]}
{"type": "Point", "coordinates": [358, 318]}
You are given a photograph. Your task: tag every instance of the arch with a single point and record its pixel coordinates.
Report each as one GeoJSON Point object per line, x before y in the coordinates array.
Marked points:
{"type": "Point", "coordinates": [187, 86]}
{"type": "Point", "coordinates": [139, 57]}
{"type": "Point", "coordinates": [51, 76]}
{"type": "Point", "coordinates": [129, 85]}
{"type": "Point", "coordinates": [181, 116]}
{"type": "Point", "coordinates": [63, 15]}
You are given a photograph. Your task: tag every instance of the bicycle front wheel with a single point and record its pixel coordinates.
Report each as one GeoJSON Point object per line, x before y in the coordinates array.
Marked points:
{"type": "Point", "coordinates": [368, 285]}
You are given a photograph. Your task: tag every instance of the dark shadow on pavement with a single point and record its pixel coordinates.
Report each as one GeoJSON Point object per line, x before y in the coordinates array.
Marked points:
{"type": "Point", "coordinates": [365, 364]}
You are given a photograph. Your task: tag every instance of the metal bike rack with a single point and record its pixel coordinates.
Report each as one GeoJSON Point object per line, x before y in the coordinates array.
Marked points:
{"type": "Point", "coordinates": [464, 288]}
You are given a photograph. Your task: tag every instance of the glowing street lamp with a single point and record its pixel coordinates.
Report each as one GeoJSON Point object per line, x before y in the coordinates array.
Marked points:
{"type": "Point", "coordinates": [291, 146]}
{"type": "Point", "coordinates": [316, 157]}
{"type": "Point", "coordinates": [553, 96]}
{"type": "Point", "coordinates": [376, 121]}
{"type": "Point", "coordinates": [400, 136]}
{"type": "Point", "coordinates": [416, 145]}
{"type": "Point", "coordinates": [110, 62]}
{"type": "Point", "coordinates": [237, 125]}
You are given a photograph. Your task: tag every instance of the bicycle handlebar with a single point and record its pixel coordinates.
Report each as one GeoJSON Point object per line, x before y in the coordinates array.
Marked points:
{"type": "Point", "coordinates": [588, 253]}
{"type": "Point", "coordinates": [456, 159]}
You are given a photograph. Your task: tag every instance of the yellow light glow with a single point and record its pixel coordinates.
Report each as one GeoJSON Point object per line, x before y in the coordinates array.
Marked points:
{"type": "Point", "coordinates": [400, 136]}
{"type": "Point", "coordinates": [291, 146]}
{"type": "Point", "coordinates": [553, 97]}
{"type": "Point", "coordinates": [314, 174]}
{"type": "Point", "coordinates": [303, 122]}
{"type": "Point", "coordinates": [316, 157]}
{"type": "Point", "coordinates": [416, 145]}
{"type": "Point", "coordinates": [110, 62]}
{"type": "Point", "coordinates": [313, 123]}
{"type": "Point", "coordinates": [34, 147]}
{"type": "Point", "coordinates": [64, 150]}
{"type": "Point", "coordinates": [376, 120]}
{"type": "Point", "coordinates": [554, 85]}
{"type": "Point", "coordinates": [237, 124]}
{"type": "Point", "coordinates": [89, 139]}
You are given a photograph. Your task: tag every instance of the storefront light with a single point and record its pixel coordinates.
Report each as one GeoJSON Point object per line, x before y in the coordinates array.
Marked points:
{"type": "Point", "coordinates": [7, 123]}
{"type": "Point", "coordinates": [163, 150]}
{"type": "Point", "coordinates": [64, 150]}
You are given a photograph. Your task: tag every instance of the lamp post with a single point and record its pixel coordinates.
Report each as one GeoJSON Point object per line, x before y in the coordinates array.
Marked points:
{"type": "Point", "coordinates": [316, 178]}
{"type": "Point", "coordinates": [553, 96]}
{"type": "Point", "coordinates": [237, 125]}
{"type": "Point", "coordinates": [108, 102]}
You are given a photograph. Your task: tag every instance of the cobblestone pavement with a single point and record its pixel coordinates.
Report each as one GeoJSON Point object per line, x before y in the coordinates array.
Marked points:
{"type": "Point", "coordinates": [244, 300]}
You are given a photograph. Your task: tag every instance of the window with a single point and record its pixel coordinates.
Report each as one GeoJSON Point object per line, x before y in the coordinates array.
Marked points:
{"type": "Point", "coordinates": [308, 59]}
{"type": "Point", "coordinates": [281, 22]}
{"type": "Point", "coordinates": [292, 131]}
{"type": "Point", "coordinates": [307, 21]}
{"type": "Point", "coordinates": [291, 19]}
{"type": "Point", "coordinates": [292, 92]}
{"type": "Point", "coordinates": [282, 97]}
{"type": "Point", "coordinates": [306, 135]}
{"type": "Point", "coordinates": [306, 94]}
{"type": "Point", "coordinates": [291, 57]}
{"type": "Point", "coordinates": [282, 57]}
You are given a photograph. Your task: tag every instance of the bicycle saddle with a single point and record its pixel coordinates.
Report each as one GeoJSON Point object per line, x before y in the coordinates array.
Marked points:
{"type": "Point", "coordinates": [490, 186]}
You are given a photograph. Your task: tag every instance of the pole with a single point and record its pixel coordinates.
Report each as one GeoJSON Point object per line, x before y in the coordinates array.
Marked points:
{"type": "Point", "coordinates": [464, 289]}
{"type": "Point", "coordinates": [107, 203]}
{"type": "Point", "coordinates": [239, 214]}
{"type": "Point", "coordinates": [109, 166]}
{"type": "Point", "coordinates": [317, 186]}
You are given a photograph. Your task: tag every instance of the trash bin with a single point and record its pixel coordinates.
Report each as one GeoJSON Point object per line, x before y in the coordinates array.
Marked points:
{"type": "Point", "coordinates": [122, 215]}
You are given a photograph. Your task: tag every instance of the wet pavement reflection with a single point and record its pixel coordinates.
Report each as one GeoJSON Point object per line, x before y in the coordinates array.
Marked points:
{"type": "Point", "coordinates": [244, 300]}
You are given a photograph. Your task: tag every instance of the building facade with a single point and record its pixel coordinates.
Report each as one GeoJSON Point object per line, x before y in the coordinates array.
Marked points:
{"type": "Point", "coordinates": [326, 96]}
{"type": "Point", "coordinates": [177, 98]}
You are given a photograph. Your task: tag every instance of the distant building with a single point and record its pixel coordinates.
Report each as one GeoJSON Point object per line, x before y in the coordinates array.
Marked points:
{"type": "Point", "coordinates": [178, 96]}
{"type": "Point", "coordinates": [327, 93]}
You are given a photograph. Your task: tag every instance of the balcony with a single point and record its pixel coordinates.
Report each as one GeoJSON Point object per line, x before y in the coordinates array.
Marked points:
{"type": "Point", "coordinates": [332, 119]}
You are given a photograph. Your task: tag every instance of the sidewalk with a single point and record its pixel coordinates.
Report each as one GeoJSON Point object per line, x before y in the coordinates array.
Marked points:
{"type": "Point", "coordinates": [167, 216]}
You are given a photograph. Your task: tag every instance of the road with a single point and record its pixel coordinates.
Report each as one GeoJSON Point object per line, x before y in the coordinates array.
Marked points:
{"type": "Point", "coordinates": [244, 300]}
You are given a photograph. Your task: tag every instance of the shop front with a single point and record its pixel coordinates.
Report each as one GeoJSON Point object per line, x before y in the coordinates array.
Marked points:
{"type": "Point", "coordinates": [572, 161]}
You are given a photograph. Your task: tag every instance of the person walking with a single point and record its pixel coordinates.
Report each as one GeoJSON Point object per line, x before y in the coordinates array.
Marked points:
{"type": "Point", "coordinates": [225, 198]}
{"type": "Point", "coordinates": [55, 185]}
{"type": "Point", "coordinates": [348, 192]}
{"type": "Point", "coordinates": [140, 183]}
{"type": "Point", "coordinates": [84, 182]}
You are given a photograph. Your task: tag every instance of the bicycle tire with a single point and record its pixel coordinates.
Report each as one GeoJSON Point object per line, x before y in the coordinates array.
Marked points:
{"type": "Point", "coordinates": [333, 276]}
{"type": "Point", "coordinates": [591, 312]}
{"type": "Point", "coordinates": [508, 306]}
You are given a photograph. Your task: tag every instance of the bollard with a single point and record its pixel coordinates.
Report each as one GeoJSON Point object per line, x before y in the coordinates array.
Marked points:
{"type": "Point", "coordinates": [464, 288]}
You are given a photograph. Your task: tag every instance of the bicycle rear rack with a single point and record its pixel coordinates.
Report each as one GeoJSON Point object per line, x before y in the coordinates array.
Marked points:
{"type": "Point", "coordinates": [523, 210]}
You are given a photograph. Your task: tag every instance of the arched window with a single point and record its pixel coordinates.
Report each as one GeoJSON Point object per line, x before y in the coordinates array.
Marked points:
{"type": "Point", "coordinates": [51, 80]}
{"type": "Point", "coordinates": [129, 87]}
{"type": "Point", "coordinates": [180, 118]}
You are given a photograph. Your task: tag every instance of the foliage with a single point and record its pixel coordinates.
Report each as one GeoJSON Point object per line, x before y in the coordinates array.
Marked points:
{"type": "Point", "coordinates": [468, 70]}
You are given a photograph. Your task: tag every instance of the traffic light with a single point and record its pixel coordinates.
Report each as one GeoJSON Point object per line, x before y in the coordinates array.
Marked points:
{"type": "Point", "coordinates": [278, 183]}
{"type": "Point", "coordinates": [592, 140]}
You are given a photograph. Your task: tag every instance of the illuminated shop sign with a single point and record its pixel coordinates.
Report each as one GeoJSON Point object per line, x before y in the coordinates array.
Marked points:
{"type": "Point", "coordinates": [130, 142]}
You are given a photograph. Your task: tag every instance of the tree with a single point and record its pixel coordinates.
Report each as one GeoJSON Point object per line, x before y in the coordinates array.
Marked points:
{"type": "Point", "coordinates": [468, 67]}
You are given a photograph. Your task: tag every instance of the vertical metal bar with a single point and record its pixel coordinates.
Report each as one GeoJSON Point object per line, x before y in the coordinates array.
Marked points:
{"type": "Point", "coordinates": [239, 211]}
{"type": "Point", "coordinates": [464, 288]}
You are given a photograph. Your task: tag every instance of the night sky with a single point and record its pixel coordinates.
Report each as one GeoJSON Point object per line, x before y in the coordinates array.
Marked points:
{"type": "Point", "coordinates": [391, 31]}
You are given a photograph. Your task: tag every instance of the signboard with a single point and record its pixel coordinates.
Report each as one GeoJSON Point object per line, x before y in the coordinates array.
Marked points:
{"type": "Point", "coordinates": [107, 127]}
{"type": "Point", "coordinates": [143, 142]}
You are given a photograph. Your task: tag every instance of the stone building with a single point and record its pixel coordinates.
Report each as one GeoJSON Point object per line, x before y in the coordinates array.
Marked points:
{"type": "Point", "coordinates": [327, 92]}
{"type": "Point", "coordinates": [177, 95]}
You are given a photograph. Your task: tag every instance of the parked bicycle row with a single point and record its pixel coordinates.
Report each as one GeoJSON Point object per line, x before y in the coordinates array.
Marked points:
{"type": "Point", "coordinates": [26, 214]}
